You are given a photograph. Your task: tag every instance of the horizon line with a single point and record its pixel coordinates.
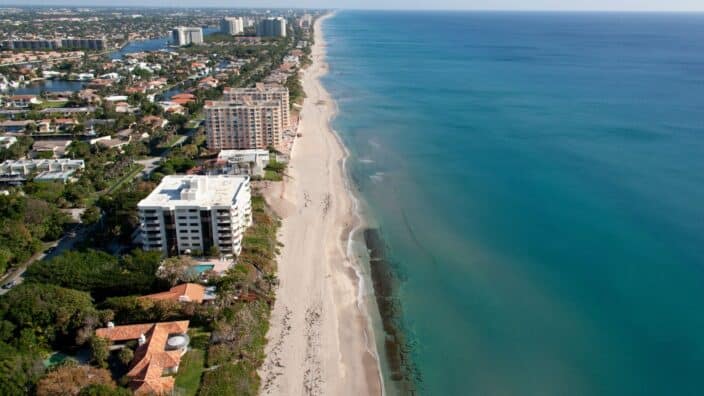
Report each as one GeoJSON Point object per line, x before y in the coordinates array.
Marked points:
{"type": "Point", "coordinates": [527, 10]}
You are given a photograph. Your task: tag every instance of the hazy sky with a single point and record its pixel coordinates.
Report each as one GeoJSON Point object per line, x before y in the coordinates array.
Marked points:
{"type": "Point", "coordinates": [633, 5]}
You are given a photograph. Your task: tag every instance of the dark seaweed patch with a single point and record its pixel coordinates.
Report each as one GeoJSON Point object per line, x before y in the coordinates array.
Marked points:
{"type": "Point", "coordinates": [397, 347]}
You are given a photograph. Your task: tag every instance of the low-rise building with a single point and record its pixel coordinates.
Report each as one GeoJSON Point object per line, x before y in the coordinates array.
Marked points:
{"type": "Point", "coordinates": [45, 169]}
{"type": "Point", "coordinates": [57, 148]}
{"type": "Point", "coordinates": [185, 292]}
{"type": "Point", "coordinates": [154, 121]}
{"type": "Point", "coordinates": [7, 141]}
{"type": "Point", "coordinates": [243, 162]}
{"type": "Point", "coordinates": [22, 101]}
{"type": "Point", "coordinates": [189, 213]}
{"type": "Point", "coordinates": [15, 126]}
{"type": "Point", "coordinates": [208, 82]}
{"type": "Point", "coordinates": [160, 347]}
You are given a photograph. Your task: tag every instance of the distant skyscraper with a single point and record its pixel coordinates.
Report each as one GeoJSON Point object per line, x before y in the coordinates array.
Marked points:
{"type": "Point", "coordinates": [187, 35]}
{"type": "Point", "coordinates": [232, 25]}
{"type": "Point", "coordinates": [272, 27]}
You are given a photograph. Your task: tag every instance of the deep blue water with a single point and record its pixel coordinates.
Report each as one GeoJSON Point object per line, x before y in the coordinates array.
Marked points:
{"type": "Point", "coordinates": [539, 179]}
{"type": "Point", "coordinates": [50, 86]}
{"type": "Point", "coordinates": [156, 44]}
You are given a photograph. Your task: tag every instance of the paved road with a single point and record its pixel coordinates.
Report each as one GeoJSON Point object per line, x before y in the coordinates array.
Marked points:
{"type": "Point", "coordinates": [149, 164]}
{"type": "Point", "coordinates": [70, 238]}
{"type": "Point", "coordinates": [67, 242]}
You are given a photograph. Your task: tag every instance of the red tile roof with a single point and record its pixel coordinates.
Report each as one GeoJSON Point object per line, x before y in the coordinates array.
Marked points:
{"type": "Point", "coordinates": [182, 293]}
{"type": "Point", "coordinates": [151, 359]}
{"type": "Point", "coordinates": [184, 96]}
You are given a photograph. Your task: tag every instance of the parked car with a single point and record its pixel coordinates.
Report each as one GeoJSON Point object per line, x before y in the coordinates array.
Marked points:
{"type": "Point", "coordinates": [9, 285]}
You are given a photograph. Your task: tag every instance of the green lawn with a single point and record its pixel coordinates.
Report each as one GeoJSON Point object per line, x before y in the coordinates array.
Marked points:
{"type": "Point", "coordinates": [193, 124]}
{"type": "Point", "coordinates": [171, 142]}
{"type": "Point", "coordinates": [136, 168]}
{"type": "Point", "coordinates": [189, 372]}
{"type": "Point", "coordinates": [49, 104]}
{"type": "Point", "coordinates": [129, 176]}
{"type": "Point", "coordinates": [270, 175]}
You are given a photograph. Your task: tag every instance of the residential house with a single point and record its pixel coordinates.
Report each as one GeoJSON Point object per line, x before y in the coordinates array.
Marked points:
{"type": "Point", "coordinates": [22, 101]}
{"type": "Point", "coordinates": [160, 347]}
{"type": "Point", "coordinates": [110, 142]}
{"type": "Point", "coordinates": [15, 126]}
{"type": "Point", "coordinates": [57, 148]}
{"type": "Point", "coordinates": [208, 82]}
{"type": "Point", "coordinates": [89, 96]}
{"type": "Point", "coordinates": [122, 107]}
{"type": "Point", "coordinates": [154, 122]}
{"type": "Point", "coordinates": [186, 292]}
{"type": "Point", "coordinates": [7, 141]}
{"type": "Point", "coordinates": [183, 98]}
{"type": "Point", "coordinates": [101, 83]}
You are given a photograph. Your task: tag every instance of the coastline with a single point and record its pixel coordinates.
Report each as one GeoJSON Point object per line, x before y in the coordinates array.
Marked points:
{"type": "Point", "coordinates": [321, 339]}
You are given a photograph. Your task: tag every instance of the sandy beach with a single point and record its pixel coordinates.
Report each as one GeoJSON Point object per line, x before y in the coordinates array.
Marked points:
{"type": "Point", "coordinates": [320, 340]}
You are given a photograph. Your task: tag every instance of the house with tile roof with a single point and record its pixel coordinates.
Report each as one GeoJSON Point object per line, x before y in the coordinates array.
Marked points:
{"type": "Point", "coordinates": [158, 354]}
{"type": "Point", "coordinates": [185, 292]}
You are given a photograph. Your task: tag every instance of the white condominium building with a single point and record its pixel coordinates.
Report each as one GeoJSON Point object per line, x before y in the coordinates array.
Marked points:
{"type": "Point", "coordinates": [187, 35]}
{"type": "Point", "coordinates": [232, 25]}
{"type": "Point", "coordinates": [189, 213]}
{"type": "Point", "coordinates": [272, 27]}
{"type": "Point", "coordinates": [243, 124]}
{"type": "Point", "coordinates": [263, 92]}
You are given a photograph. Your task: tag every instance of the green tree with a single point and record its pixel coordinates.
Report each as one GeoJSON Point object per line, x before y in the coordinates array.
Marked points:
{"type": "Point", "coordinates": [99, 351]}
{"type": "Point", "coordinates": [96, 272]}
{"type": "Point", "coordinates": [45, 315]}
{"type": "Point", "coordinates": [18, 370]}
{"type": "Point", "coordinates": [177, 270]}
{"type": "Point", "coordinates": [126, 355]}
{"type": "Point", "coordinates": [91, 215]}
{"type": "Point", "coordinates": [104, 390]}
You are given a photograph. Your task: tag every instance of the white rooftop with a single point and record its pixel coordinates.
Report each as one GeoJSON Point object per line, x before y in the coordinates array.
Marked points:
{"type": "Point", "coordinates": [195, 190]}
{"type": "Point", "coordinates": [247, 153]}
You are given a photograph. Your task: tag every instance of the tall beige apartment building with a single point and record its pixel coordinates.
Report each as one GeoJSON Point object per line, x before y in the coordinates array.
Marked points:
{"type": "Point", "coordinates": [243, 124]}
{"type": "Point", "coordinates": [263, 92]}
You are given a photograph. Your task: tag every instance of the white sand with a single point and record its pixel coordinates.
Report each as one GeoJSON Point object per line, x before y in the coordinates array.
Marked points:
{"type": "Point", "coordinates": [320, 340]}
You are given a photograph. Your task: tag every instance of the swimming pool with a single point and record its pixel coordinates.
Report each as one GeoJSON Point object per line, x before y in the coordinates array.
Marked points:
{"type": "Point", "coordinates": [200, 268]}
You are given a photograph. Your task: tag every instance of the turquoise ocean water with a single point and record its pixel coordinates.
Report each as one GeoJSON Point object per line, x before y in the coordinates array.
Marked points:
{"type": "Point", "coordinates": [539, 181]}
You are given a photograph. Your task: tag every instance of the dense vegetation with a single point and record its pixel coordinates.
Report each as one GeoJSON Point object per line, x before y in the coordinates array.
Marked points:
{"type": "Point", "coordinates": [295, 89]}
{"type": "Point", "coordinates": [99, 273]}
{"type": "Point", "coordinates": [34, 319]}
{"type": "Point", "coordinates": [17, 150]}
{"type": "Point", "coordinates": [239, 327]}
{"type": "Point", "coordinates": [26, 221]}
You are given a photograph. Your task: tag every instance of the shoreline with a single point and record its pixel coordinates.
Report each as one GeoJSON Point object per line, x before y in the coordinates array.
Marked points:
{"type": "Point", "coordinates": [321, 339]}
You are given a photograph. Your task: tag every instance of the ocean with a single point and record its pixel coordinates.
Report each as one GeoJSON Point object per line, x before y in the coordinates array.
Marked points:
{"type": "Point", "coordinates": [537, 180]}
